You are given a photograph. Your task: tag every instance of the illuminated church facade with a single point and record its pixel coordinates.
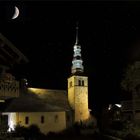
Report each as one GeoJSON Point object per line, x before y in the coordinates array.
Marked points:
{"type": "Point", "coordinates": [51, 110]}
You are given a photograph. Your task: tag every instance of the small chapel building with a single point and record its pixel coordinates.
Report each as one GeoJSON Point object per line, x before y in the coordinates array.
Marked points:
{"type": "Point", "coordinates": [51, 110]}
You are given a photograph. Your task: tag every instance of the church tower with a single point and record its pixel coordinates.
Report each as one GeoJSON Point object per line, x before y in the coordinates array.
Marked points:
{"type": "Point", "coordinates": [78, 85]}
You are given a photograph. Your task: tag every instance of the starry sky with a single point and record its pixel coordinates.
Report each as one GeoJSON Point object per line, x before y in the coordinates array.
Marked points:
{"type": "Point", "coordinates": [109, 34]}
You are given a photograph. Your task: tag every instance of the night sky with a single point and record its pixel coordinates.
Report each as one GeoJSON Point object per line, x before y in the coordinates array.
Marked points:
{"type": "Point", "coordinates": [109, 34]}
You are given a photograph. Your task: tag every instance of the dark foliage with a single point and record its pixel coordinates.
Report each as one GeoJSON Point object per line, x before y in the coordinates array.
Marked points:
{"type": "Point", "coordinates": [131, 137]}
{"type": "Point", "coordinates": [32, 132]}
{"type": "Point", "coordinates": [117, 125]}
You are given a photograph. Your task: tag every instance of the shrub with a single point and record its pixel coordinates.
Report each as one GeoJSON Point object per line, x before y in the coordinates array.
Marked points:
{"type": "Point", "coordinates": [31, 132]}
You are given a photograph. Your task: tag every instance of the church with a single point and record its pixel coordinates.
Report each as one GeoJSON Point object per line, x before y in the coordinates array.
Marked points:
{"type": "Point", "coordinates": [51, 110]}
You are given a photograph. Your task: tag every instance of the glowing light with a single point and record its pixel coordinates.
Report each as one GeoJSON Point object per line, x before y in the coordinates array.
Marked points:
{"type": "Point", "coordinates": [37, 90]}
{"type": "Point", "coordinates": [11, 126]}
{"type": "Point", "coordinates": [118, 105]}
{"type": "Point", "coordinates": [89, 110]}
{"type": "Point", "coordinates": [109, 107]}
{"type": "Point", "coordinates": [2, 101]}
{"type": "Point", "coordinates": [11, 121]}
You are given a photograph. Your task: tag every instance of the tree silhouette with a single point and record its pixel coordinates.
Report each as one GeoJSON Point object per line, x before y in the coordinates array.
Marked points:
{"type": "Point", "coordinates": [131, 81]}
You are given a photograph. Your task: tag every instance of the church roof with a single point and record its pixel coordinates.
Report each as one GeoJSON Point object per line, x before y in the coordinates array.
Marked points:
{"type": "Point", "coordinates": [39, 100]}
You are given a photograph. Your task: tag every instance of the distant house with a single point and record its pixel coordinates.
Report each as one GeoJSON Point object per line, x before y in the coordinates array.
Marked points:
{"type": "Point", "coordinates": [9, 56]}
{"type": "Point", "coordinates": [131, 100]}
{"type": "Point", "coordinates": [51, 110]}
{"type": "Point", "coordinates": [111, 114]}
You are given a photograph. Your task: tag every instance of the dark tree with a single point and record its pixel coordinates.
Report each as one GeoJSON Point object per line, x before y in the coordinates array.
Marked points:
{"type": "Point", "coordinates": [131, 81]}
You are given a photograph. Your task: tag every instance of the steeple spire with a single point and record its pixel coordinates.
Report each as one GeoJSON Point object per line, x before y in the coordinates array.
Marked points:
{"type": "Point", "coordinates": [77, 40]}
{"type": "Point", "coordinates": [77, 62]}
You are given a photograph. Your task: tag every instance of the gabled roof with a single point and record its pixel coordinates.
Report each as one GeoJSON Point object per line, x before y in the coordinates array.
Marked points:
{"type": "Point", "coordinates": [39, 100]}
{"type": "Point", "coordinates": [9, 54]}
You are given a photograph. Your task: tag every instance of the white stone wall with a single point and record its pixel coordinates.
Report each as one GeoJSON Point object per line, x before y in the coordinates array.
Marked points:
{"type": "Point", "coordinates": [53, 121]}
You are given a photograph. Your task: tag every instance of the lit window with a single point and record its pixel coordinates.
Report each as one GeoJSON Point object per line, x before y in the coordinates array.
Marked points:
{"type": "Point", "coordinates": [26, 120]}
{"type": "Point", "coordinates": [42, 119]}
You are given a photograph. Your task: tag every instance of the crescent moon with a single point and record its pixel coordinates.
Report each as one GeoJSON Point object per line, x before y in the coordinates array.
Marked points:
{"type": "Point", "coordinates": [16, 13]}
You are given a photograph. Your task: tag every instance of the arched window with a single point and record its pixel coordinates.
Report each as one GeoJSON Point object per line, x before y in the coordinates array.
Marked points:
{"type": "Point", "coordinates": [42, 119]}
{"type": "Point", "coordinates": [82, 82]}
{"type": "Point", "coordinates": [56, 118]}
{"type": "Point", "coordinates": [79, 82]}
{"type": "Point", "coordinates": [26, 120]}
